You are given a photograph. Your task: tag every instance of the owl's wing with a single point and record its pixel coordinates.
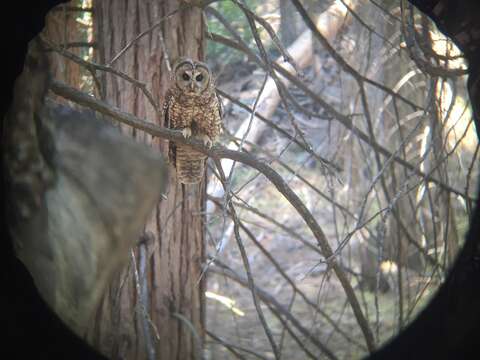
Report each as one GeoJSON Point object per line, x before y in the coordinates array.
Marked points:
{"type": "Point", "coordinates": [167, 122]}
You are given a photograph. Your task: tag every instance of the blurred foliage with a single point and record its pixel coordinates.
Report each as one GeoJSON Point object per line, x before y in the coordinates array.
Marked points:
{"type": "Point", "coordinates": [219, 53]}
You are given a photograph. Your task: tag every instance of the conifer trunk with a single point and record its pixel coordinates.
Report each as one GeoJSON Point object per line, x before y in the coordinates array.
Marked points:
{"type": "Point", "coordinates": [172, 262]}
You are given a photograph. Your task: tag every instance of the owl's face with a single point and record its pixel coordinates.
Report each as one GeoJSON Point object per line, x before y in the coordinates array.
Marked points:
{"type": "Point", "coordinates": [192, 77]}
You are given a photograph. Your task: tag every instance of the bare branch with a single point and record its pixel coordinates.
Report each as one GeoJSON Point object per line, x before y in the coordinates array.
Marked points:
{"type": "Point", "coordinates": [274, 126]}
{"type": "Point", "coordinates": [77, 44]}
{"type": "Point", "coordinates": [72, 8]}
{"type": "Point", "coordinates": [191, 328]}
{"type": "Point", "coordinates": [408, 30]}
{"type": "Point", "coordinates": [223, 269]}
{"type": "Point", "coordinates": [246, 263]}
{"type": "Point", "coordinates": [147, 31]}
{"type": "Point", "coordinates": [289, 280]}
{"type": "Point", "coordinates": [142, 297]}
{"type": "Point", "coordinates": [232, 347]}
{"type": "Point", "coordinates": [218, 152]}
{"type": "Point", "coordinates": [93, 67]}
{"type": "Point", "coordinates": [250, 14]}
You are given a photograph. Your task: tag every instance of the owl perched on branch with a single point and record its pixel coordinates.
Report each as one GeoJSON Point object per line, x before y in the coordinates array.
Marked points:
{"type": "Point", "coordinates": [192, 106]}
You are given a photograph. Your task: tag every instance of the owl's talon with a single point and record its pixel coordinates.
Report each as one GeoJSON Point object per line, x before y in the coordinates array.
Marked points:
{"type": "Point", "coordinates": [207, 141]}
{"type": "Point", "coordinates": [187, 132]}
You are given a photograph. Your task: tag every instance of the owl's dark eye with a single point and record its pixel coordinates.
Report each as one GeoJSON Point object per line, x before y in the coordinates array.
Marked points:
{"type": "Point", "coordinates": [186, 77]}
{"type": "Point", "coordinates": [199, 77]}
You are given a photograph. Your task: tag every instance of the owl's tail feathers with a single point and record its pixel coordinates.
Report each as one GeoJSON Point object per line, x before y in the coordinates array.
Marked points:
{"type": "Point", "coordinates": [190, 165]}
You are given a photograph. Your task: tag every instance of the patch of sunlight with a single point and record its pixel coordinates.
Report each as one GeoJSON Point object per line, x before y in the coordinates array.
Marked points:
{"type": "Point", "coordinates": [420, 193]}
{"type": "Point", "coordinates": [341, 5]}
{"type": "Point", "coordinates": [462, 202]}
{"type": "Point", "coordinates": [84, 22]}
{"type": "Point", "coordinates": [225, 301]}
{"type": "Point", "coordinates": [388, 266]}
{"type": "Point", "coordinates": [442, 45]}
{"type": "Point", "coordinates": [457, 118]}
{"type": "Point", "coordinates": [423, 241]}
{"type": "Point", "coordinates": [424, 145]}
{"type": "Point", "coordinates": [436, 251]}
{"type": "Point", "coordinates": [458, 115]}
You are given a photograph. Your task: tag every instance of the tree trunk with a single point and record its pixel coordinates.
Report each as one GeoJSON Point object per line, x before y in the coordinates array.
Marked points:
{"type": "Point", "coordinates": [62, 29]}
{"type": "Point", "coordinates": [168, 281]}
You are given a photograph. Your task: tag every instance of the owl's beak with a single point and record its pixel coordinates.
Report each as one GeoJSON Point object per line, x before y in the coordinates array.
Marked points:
{"type": "Point", "coordinates": [192, 85]}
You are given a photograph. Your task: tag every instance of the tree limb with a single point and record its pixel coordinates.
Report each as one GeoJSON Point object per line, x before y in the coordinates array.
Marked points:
{"type": "Point", "coordinates": [218, 152]}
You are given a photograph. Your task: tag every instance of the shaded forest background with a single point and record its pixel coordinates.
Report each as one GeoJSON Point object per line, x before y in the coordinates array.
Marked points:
{"type": "Point", "coordinates": [372, 130]}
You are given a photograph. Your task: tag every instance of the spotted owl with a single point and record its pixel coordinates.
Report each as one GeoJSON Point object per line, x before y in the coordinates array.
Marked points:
{"type": "Point", "coordinates": [192, 106]}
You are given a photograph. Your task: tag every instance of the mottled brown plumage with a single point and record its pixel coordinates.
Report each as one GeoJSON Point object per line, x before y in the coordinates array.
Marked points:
{"type": "Point", "coordinates": [192, 105]}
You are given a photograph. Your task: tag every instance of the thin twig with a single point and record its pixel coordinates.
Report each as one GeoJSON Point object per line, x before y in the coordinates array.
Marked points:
{"type": "Point", "coordinates": [231, 346]}
{"type": "Point", "coordinates": [218, 152]}
{"type": "Point", "coordinates": [242, 141]}
{"type": "Point", "coordinates": [223, 269]}
{"type": "Point", "coordinates": [276, 41]}
{"type": "Point", "coordinates": [246, 264]}
{"type": "Point", "coordinates": [277, 128]}
{"type": "Point", "coordinates": [196, 336]}
{"type": "Point", "coordinates": [93, 67]}
{"type": "Point", "coordinates": [76, 44]}
{"type": "Point", "coordinates": [142, 296]}
{"type": "Point", "coordinates": [412, 46]}
{"type": "Point", "coordinates": [294, 286]}
{"type": "Point", "coordinates": [72, 8]}
{"type": "Point", "coordinates": [346, 120]}
{"type": "Point", "coordinates": [147, 31]}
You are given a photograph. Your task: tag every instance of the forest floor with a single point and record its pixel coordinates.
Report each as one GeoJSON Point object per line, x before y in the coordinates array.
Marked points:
{"type": "Point", "coordinates": [241, 325]}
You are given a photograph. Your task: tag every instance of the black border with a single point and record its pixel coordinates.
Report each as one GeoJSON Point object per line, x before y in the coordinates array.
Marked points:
{"type": "Point", "coordinates": [449, 328]}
